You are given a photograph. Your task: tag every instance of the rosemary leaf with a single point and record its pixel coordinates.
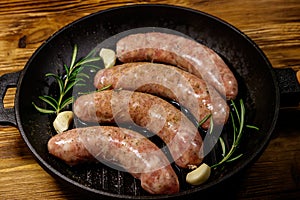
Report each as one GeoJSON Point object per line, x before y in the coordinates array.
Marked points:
{"type": "Point", "coordinates": [71, 84]}
{"type": "Point", "coordinates": [68, 101]}
{"type": "Point", "coordinates": [233, 127]}
{"type": "Point", "coordinates": [236, 110]}
{"type": "Point", "coordinates": [43, 110]}
{"type": "Point", "coordinates": [252, 127]}
{"type": "Point", "coordinates": [58, 79]}
{"type": "Point", "coordinates": [242, 120]}
{"type": "Point", "coordinates": [104, 88]}
{"type": "Point", "coordinates": [75, 71]}
{"type": "Point", "coordinates": [74, 56]}
{"type": "Point", "coordinates": [91, 66]}
{"type": "Point", "coordinates": [211, 127]}
{"type": "Point", "coordinates": [80, 84]}
{"type": "Point", "coordinates": [204, 120]}
{"type": "Point", "coordinates": [72, 78]}
{"type": "Point", "coordinates": [66, 68]}
{"type": "Point", "coordinates": [223, 146]}
{"type": "Point", "coordinates": [49, 100]}
{"type": "Point", "coordinates": [52, 74]}
{"type": "Point", "coordinates": [88, 60]}
{"type": "Point", "coordinates": [235, 158]}
{"type": "Point", "coordinates": [83, 75]}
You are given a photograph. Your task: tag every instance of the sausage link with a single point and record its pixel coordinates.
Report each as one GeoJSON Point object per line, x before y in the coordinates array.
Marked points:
{"type": "Point", "coordinates": [148, 111]}
{"type": "Point", "coordinates": [118, 146]}
{"type": "Point", "coordinates": [169, 82]}
{"type": "Point", "coordinates": [181, 52]}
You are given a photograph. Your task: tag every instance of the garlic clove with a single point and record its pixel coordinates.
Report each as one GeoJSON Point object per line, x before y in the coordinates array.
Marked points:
{"type": "Point", "coordinates": [63, 121]}
{"type": "Point", "coordinates": [199, 175]}
{"type": "Point", "coordinates": [108, 56]}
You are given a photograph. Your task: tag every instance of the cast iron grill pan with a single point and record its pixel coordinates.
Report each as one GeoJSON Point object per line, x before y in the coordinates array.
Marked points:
{"type": "Point", "coordinates": [244, 58]}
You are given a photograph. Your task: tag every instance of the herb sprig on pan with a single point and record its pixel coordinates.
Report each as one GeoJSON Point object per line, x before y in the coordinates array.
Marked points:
{"type": "Point", "coordinates": [238, 124]}
{"type": "Point", "coordinates": [66, 82]}
{"type": "Point", "coordinates": [202, 173]}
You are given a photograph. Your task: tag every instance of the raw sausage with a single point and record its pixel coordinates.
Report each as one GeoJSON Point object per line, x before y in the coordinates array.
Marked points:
{"type": "Point", "coordinates": [145, 110]}
{"type": "Point", "coordinates": [169, 82]}
{"type": "Point", "coordinates": [181, 52]}
{"type": "Point", "coordinates": [118, 146]}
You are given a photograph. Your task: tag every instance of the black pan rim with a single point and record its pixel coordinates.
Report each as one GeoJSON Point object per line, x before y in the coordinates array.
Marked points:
{"type": "Point", "coordinates": [56, 173]}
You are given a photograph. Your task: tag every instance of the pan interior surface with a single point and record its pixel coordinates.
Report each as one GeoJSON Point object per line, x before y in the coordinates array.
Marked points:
{"type": "Point", "coordinates": [257, 88]}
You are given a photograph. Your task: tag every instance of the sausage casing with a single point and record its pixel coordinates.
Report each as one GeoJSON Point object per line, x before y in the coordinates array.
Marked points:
{"type": "Point", "coordinates": [169, 82]}
{"type": "Point", "coordinates": [181, 52]}
{"type": "Point", "coordinates": [119, 146]}
{"type": "Point", "coordinates": [148, 111]}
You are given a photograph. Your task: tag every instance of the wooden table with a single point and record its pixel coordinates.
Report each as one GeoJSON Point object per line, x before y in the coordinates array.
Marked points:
{"type": "Point", "coordinates": [273, 24]}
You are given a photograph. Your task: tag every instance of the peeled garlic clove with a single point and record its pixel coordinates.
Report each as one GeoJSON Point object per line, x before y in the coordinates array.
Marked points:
{"type": "Point", "coordinates": [199, 175]}
{"type": "Point", "coordinates": [108, 56]}
{"type": "Point", "coordinates": [63, 121]}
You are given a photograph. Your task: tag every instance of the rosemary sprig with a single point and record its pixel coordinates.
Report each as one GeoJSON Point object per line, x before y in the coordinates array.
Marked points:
{"type": "Point", "coordinates": [72, 77]}
{"type": "Point", "coordinates": [238, 128]}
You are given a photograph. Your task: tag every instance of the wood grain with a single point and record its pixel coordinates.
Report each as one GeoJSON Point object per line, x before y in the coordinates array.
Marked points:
{"type": "Point", "coordinates": [273, 24]}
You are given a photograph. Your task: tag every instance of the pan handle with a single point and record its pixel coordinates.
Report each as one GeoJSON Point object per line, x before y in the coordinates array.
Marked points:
{"type": "Point", "coordinates": [289, 87]}
{"type": "Point", "coordinates": [7, 115]}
